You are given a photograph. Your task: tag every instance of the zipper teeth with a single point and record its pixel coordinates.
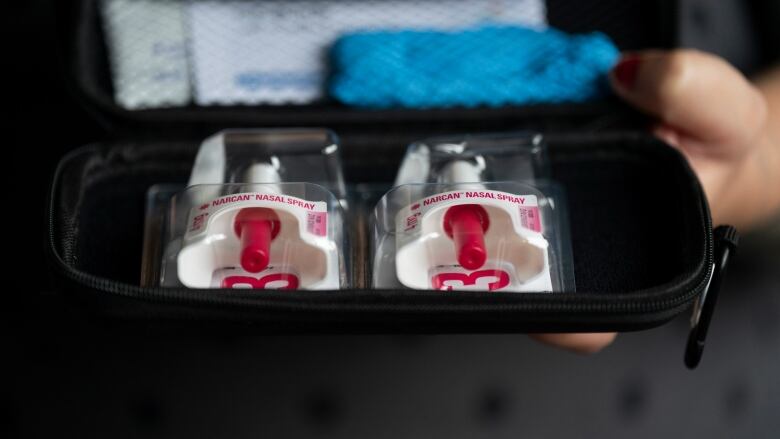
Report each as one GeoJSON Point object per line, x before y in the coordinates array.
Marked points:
{"type": "Point", "coordinates": [195, 296]}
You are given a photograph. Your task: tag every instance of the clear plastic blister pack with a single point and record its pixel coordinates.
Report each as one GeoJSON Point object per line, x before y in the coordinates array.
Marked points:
{"type": "Point", "coordinates": [268, 209]}
{"type": "Point", "coordinates": [473, 213]}
{"type": "Point", "coordinates": [263, 209]}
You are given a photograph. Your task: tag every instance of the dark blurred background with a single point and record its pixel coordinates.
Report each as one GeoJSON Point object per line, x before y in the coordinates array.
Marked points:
{"type": "Point", "coordinates": [68, 375]}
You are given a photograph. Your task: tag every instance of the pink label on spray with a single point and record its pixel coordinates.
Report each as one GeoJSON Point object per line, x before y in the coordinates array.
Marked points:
{"type": "Point", "coordinates": [317, 223]}
{"type": "Point", "coordinates": [530, 219]}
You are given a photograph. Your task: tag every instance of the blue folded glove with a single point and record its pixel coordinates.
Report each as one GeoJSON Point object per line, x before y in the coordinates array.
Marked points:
{"type": "Point", "coordinates": [486, 66]}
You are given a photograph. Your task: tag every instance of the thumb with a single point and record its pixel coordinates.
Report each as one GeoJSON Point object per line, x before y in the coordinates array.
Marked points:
{"type": "Point", "coordinates": [693, 94]}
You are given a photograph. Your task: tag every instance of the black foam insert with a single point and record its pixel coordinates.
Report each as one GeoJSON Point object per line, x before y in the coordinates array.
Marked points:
{"type": "Point", "coordinates": [631, 210]}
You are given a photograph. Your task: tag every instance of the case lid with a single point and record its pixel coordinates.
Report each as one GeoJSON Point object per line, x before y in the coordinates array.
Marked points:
{"type": "Point", "coordinates": [100, 32]}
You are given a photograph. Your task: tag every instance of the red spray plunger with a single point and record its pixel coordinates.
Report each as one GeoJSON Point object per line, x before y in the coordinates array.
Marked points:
{"type": "Point", "coordinates": [466, 224]}
{"type": "Point", "coordinates": [256, 227]}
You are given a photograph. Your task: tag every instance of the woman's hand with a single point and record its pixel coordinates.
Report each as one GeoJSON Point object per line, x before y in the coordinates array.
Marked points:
{"type": "Point", "coordinates": [720, 121]}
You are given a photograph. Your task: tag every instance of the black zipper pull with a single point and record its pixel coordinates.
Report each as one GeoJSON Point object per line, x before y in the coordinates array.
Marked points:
{"type": "Point", "coordinates": [726, 241]}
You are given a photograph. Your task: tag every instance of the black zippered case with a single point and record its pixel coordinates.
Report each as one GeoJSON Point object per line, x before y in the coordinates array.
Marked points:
{"type": "Point", "coordinates": [643, 243]}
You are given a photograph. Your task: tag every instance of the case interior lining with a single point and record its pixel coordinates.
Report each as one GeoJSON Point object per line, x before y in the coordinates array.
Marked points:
{"type": "Point", "coordinates": [632, 227]}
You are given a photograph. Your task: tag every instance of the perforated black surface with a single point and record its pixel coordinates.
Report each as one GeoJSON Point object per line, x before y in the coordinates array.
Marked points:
{"type": "Point", "coordinates": [99, 382]}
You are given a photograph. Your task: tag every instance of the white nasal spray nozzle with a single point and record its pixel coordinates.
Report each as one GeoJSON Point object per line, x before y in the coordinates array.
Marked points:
{"type": "Point", "coordinates": [463, 171]}
{"type": "Point", "coordinates": [262, 173]}
{"type": "Point", "coordinates": [256, 227]}
{"type": "Point", "coordinates": [466, 224]}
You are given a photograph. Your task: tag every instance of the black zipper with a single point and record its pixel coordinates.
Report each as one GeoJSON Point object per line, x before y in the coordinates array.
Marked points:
{"type": "Point", "coordinates": [328, 301]}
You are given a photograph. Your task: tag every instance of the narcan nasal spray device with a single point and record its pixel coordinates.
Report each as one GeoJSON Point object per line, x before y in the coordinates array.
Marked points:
{"type": "Point", "coordinates": [452, 229]}
{"type": "Point", "coordinates": [258, 213]}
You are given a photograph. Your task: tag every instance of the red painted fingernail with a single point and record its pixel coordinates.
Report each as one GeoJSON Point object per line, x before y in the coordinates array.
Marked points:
{"type": "Point", "coordinates": [626, 71]}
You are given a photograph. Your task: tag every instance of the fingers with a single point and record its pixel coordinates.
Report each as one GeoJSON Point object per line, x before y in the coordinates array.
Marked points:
{"type": "Point", "coordinates": [580, 343]}
{"type": "Point", "coordinates": [695, 93]}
